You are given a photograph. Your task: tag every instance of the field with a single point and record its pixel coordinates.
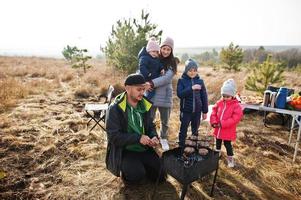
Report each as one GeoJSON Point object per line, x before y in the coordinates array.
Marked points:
{"type": "Point", "coordinates": [46, 151]}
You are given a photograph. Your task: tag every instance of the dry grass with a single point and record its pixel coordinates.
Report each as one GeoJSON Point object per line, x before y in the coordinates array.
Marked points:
{"type": "Point", "coordinates": [11, 90]}
{"type": "Point", "coordinates": [46, 152]}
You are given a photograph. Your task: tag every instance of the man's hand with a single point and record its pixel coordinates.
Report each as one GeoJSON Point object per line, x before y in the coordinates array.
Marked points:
{"type": "Point", "coordinates": [145, 140]}
{"type": "Point", "coordinates": [196, 87]}
{"type": "Point", "coordinates": [154, 141]}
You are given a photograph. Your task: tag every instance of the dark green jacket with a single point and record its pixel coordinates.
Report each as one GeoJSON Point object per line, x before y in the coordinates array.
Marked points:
{"type": "Point", "coordinates": [117, 134]}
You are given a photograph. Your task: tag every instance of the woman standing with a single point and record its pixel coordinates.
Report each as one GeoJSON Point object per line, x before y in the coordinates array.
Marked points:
{"type": "Point", "coordinates": [162, 100]}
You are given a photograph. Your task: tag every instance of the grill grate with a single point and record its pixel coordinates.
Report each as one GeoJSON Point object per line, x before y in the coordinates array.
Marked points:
{"type": "Point", "coordinates": [194, 167]}
{"type": "Point", "coordinates": [188, 169]}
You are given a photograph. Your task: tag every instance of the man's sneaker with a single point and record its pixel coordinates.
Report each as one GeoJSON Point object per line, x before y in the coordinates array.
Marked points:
{"type": "Point", "coordinates": [230, 160]}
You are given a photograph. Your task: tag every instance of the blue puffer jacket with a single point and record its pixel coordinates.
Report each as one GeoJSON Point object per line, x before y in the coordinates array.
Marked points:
{"type": "Point", "coordinates": [149, 67]}
{"type": "Point", "coordinates": [192, 101]}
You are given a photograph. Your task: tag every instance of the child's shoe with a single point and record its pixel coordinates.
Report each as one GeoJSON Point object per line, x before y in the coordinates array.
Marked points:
{"type": "Point", "coordinates": [230, 160]}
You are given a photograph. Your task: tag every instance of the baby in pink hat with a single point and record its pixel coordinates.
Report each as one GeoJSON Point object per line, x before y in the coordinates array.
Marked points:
{"type": "Point", "coordinates": [149, 63]}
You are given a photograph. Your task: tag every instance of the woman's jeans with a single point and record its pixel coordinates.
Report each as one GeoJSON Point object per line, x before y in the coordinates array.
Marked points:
{"type": "Point", "coordinates": [164, 118]}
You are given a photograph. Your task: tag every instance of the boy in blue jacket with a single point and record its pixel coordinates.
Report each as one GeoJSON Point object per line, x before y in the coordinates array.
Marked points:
{"type": "Point", "coordinates": [194, 101]}
{"type": "Point", "coordinates": [149, 63]}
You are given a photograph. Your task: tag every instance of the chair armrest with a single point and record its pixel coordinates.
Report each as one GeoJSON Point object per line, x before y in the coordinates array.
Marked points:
{"type": "Point", "coordinates": [96, 107]}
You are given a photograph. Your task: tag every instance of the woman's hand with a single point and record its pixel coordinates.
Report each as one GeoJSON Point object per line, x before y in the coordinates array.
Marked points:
{"type": "Point", "coordinates": [148, 86]}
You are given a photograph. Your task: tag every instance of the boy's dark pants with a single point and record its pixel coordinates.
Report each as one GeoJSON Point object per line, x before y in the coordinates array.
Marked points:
{"type": "Point", "coordinates": [136, 166]}
{"type": "Point", "coordinates": [185, 119]}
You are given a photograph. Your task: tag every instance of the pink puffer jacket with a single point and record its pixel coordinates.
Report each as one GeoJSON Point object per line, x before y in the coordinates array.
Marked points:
{"type": "Point", "coordinates": [228, 114]}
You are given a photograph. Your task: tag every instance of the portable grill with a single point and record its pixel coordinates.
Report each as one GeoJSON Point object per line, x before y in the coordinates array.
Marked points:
{"type": "Point", "coordinates": [188, 170]}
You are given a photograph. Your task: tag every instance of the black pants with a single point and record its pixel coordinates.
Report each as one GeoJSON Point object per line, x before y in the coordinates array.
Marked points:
{"type": "Point", "coordinates": [186, 119]}
{"type": "Point", "coordinates": [136, 166]}
{"type": "Point", "coordinates": [227, 144]}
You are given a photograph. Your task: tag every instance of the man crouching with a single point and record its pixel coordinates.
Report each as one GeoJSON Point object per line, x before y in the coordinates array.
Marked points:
{"type": "Point", "coordinates": [132, 135]}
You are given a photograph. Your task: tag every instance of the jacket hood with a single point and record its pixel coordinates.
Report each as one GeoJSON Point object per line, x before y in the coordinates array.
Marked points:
{"type": "Point", "coordinates": [142, 52]}
{"type": "Point", "coordinates": [120, 100]}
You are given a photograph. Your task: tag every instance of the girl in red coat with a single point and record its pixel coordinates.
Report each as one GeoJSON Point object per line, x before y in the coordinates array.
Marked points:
{"type": "Point", "coordinates": [225, 116]}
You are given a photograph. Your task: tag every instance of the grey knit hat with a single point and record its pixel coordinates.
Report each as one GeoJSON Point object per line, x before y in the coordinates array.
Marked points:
{"type": "Point", "coordinates": [190, 64]}
{"type": "Point", "coordinates": [229, 88]}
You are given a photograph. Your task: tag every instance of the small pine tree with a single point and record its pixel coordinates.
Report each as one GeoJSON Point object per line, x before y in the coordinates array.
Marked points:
{"type": "Point", "coordinates": [232, 56]}
{"type": "Point", "coordinates": [263, 75]}
{"type": "Point", "coordinates": [77, 57]}
{"type": "Point", "coordinates": [69, 53]}
{"type": "Point", "coordinates": [126, 40]}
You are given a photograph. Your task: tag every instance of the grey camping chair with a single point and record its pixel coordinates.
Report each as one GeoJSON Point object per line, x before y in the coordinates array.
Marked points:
{"type": "Point", "coordinates": [97, 112]}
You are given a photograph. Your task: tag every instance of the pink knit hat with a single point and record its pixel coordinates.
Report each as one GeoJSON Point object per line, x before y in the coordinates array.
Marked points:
{"type": "Point", "coordinates": [167, 42]}
{"type": "Point", "coordinates": [152, 45]}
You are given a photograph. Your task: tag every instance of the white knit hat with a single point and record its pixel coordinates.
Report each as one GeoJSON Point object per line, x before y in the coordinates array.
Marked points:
{"type": "Point", "coordinates": [152, 45]}
{"type": "Point", "coordinates": [229, 88]}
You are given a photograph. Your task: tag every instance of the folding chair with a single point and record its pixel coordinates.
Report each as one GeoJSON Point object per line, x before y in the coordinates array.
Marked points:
{"type": "Point", "coordinates": [97, 112]}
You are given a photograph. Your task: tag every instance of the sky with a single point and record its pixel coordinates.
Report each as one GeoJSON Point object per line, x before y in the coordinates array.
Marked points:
{"type": "Point", "coordinates": [45, 27]}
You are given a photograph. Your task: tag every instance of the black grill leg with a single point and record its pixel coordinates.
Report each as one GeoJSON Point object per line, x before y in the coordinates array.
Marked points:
{"type": "Point", "coordinates": [212, 188]}
{"type": "Point", "coordinates": [184, 190]}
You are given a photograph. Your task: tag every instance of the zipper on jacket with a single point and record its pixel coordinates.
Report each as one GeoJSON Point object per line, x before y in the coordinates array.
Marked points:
{"type": "Point", "coordinates": [193, 98]}
{"type": "Point", "coordinates": [138, 115]}
{"type": "Point", "coordinates": [219, 129]}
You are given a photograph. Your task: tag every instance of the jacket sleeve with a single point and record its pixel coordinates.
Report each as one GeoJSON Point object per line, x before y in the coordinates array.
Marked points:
{"type": "Point", "coordinates": [204, 98]}
{"type": "Point", "coordinates": [163, 80]}
{"type": "Point", "coordinates": [213, 116]}
{"type": "Point", "coordinates": [183, 91]}
{"type": "Point", "coordinates": [143, 67]}
{"type": "Point", "coordinates": [114, 130]}
{"type": "Point", "coordinates": [234, 119]}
